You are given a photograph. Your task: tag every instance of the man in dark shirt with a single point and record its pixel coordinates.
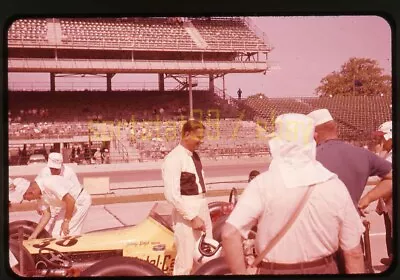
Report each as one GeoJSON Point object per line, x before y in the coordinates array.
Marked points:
{"type": "Point", "coordinates": [352, 164]}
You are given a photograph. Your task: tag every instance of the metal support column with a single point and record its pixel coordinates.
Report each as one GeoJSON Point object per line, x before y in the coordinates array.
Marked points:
{"type": "Point", "coordinates": [161, 82]}
{"type": "Point", "coordinates": [223, 86]}
{"type": "Point", "coordinates": [109, 77]}
{"type": "Point", "coordinates": [52, 82]}
{"type": "Point", "coordinates": [211, 83]}
{"type": "Point", "coordinates": [190, 98]}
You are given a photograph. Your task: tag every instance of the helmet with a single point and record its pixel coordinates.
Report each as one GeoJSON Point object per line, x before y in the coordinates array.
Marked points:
{"type": "Point", "coordinates": [206, 249]}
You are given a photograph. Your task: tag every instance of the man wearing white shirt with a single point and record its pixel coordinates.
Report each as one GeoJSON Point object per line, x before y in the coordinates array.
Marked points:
{"type": "Point", "coordinates": [184, 188]}
{"type": "Point", "coordinates": [55, 166]}
{"type": "Point", "coordinates": [383, 192]}
{"type": "Point", "coordinates": [56, 191]}
{"type": "Point", "coordinates": [327, 222]}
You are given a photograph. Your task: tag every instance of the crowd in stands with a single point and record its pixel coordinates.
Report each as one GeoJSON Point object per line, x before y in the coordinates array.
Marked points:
{"type": "Point", "coordinates": [154, 130]}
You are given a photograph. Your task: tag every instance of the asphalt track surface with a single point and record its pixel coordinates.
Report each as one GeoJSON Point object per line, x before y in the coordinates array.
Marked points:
{"type": "Point", "coordinates": [225, 169]}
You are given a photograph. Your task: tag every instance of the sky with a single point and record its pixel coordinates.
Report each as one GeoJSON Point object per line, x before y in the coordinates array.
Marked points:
{"type": "Point", "coordinates": [306, 49]}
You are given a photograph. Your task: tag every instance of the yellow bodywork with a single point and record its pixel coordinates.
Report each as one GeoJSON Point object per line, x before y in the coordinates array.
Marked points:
{"type": "Point", "coordinates": [149, 240]}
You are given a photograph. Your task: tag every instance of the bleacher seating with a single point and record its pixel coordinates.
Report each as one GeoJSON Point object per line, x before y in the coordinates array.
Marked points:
{"type": "Point", "coordinates": [357, 116]}
{"type": "Point", "coordinates": [28, 31]}
{"type": "Point", "coordinates": [138, 33]}
{"type": "Point", "coordinates": [228, 34]}
{"type": "Point", "coordinates": [147, 33]}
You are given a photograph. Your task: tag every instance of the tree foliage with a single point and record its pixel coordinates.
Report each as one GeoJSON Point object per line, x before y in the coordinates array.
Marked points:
{"type": "Point", "coordinates": [358, 76]}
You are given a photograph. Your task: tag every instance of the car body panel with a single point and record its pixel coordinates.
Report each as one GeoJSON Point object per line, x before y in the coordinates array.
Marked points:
{"type": "Point", "coordinates": [149, 240]}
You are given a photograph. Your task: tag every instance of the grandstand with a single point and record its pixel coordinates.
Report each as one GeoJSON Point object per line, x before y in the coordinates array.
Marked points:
{"type": "Point", "coordinates": [144, 125]}
{"type": "Point", "coordinates": [357, 116]}
{"type": "Point", "coordinates": [173, 48]}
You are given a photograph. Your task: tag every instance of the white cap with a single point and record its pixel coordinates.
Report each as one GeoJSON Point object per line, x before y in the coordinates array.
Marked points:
{"type": "Point", "coordinates": [386, 128]}
{"type": "Point", "coordinates": [55, 160]}
{"type": "Point", "coordinates": [320, 116]}
{"type": "Point", "coordinates": [21, 185]}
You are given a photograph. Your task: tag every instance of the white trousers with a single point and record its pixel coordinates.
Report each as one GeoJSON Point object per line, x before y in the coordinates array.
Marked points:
{"type": "Point", "coordinates": [185, 237]}
{"type": "Point", "coordinates": [82, 205]}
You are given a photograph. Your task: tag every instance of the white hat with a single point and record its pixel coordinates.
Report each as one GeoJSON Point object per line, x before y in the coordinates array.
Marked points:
{"type": "Point", "coordinates": [320, 116]}
{"type": "Point", "coordinates": [21, 185]}
{"type": "Point", "coordinates": [293, 151]}
{"type": "Point", "coordinates": [55, 160]}
{"type": "Point", "coordinates": [386, 128]}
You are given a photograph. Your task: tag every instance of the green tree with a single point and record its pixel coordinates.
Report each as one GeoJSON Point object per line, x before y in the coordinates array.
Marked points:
{"type": "Point", "coordinates": [358, 76]}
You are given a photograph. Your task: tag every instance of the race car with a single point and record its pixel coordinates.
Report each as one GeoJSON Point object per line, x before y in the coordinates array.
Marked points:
{"type": "Point", "coordinates": [145, 249]}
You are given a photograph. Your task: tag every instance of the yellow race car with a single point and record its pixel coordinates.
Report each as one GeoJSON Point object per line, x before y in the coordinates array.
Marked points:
{"type": "Point", "coordinates": [145, 249]}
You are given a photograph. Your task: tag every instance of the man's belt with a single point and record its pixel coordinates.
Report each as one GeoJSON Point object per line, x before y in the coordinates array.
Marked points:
{"type": "Point", "coordinates": [302, 265]}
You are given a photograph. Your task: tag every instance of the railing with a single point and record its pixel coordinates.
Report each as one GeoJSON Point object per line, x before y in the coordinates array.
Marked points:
{"type": "Point", "coordinates": [163, 44]}
{"type": "Point", "coordinates": [120, 147]}
{"type": "Point", "coordinates": [97, 85]}
{"type": "Point", "coordinates": [261, 34]}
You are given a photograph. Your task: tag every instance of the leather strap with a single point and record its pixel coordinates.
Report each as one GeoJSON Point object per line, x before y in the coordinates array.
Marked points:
{"type": "Point", "coordinates": [285, 228]}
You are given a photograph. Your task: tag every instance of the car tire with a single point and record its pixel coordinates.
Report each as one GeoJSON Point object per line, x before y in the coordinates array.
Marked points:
{"type": "Point", "coordinates": [28, 228]}
{"type": "Point", "coordinates": [25, 257]}
{"type": "Point", "coordinates": [216, 266]}
{"type": "Point", "coordinates": [122, 266]}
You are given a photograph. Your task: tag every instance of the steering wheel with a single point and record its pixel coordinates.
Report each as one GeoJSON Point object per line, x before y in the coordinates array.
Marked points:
{"type": "Point", "coordinates": [55, 258]}
{"type": "Point", "coordinates": [207, 249]}
{"type": "Point", "coordinates": [233, 196]}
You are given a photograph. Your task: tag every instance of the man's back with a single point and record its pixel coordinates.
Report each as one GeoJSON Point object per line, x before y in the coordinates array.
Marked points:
{"type": "Point", "coordinates": [352, 164]}
{"type": "Point", "coordinates": [328, 219]}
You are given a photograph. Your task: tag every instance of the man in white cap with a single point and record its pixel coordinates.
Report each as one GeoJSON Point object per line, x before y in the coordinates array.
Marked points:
{"type": "Point", "coordinates": [383, 192]}
{"type": "Point", "coordinates": [353, 165]}
{"type": "Point", "coordinates": [57, 191]}
{"type": "Point", "coordinates": [327, 222]}
{"type": "Point", "coordinates": [55, 166]}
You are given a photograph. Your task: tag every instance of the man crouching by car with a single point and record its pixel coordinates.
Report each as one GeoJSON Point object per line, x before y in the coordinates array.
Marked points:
{"type": "Point", "coordinates": [56, 191]}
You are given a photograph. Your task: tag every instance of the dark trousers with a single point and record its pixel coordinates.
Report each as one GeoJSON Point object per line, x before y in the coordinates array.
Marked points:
{"type": "Point", "coordinates": [388, 228]}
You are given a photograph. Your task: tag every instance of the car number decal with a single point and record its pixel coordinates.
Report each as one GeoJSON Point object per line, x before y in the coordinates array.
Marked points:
{"type": "Point", "coordinates": [67, 241]}
{"type": "Point", "coordinates": [43, 243]}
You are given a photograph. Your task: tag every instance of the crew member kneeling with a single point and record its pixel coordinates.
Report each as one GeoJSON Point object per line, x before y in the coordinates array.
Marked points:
{"type": "Point", "coordinates": [57, 191]}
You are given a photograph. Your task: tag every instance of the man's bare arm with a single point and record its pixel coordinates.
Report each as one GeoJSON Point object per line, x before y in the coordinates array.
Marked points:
{"type": "Point", "coordinates": [354, 260]}
{"type": "Point", "coordinates": [382, 190]}
{"type": "Point", "coordinates": [233, 248]}
{"type": "Point", "coordinates": [46, 215]}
